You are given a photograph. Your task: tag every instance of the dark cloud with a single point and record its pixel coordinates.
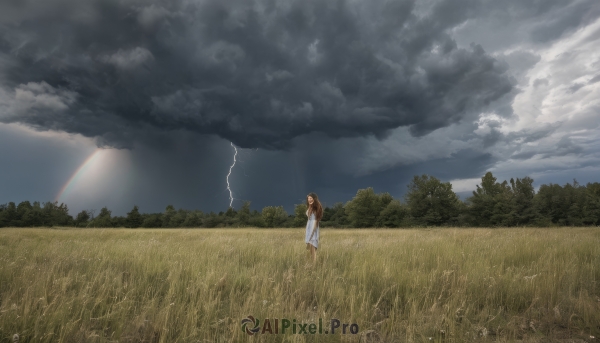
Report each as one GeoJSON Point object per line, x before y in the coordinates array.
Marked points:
{"type": "Point", "coordinates": [564, 146]}
{"type": "Point", "coordinates": [533, 134]}
{"type": "Point", "coordinates": [523, 155]}
{"type": "Point", "coordinates": [255, 73]}
{"type": "Point", "coordinates": [575, 87]}
{"type": "Point", "coordinates": [492, 138]}
{"type": "Point", "coordinates": [340, 95]}
{"type": "Point", "coordinates": [572, 14]}
{"type": "Point", "coordinates": [521, 24]}
{"type": "Point", "coordinates": [336, 187]}
{"type": "Point", "coordinates": [594, 79]}
{"type": "Point", "coordinates": [521, 61]}
{"type": "Point", "coordinates": [31, 168]}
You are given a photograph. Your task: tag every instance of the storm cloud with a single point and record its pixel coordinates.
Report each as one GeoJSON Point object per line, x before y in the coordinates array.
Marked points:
{"type": "Point", "coordinates": [325, 96]}
{"type": "Point", "coordinates": [256, 73]}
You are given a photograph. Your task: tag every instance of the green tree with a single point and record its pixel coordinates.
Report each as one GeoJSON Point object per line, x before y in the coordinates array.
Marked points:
{"type": "Point", "coordinates": [243, 215]}
{"type": "Point", "coordinates": [22, 209]}
{"type": "Point", "coordinates": [570, 204]}
{"type": "Point", "coordinates": [430, 201]}
{"type": "Point", "coordinates": [550, 203]}
{"type": "Point", "coordinates": [152, 220]}
{"type": "Point", "coordinates": [483, 201]}
{"type": "Point", "coordinates": [103, 219]}
{"type": "Point", "coordinates": [178, 219]}
{"type": "Point", "coordinates": [364, 208]}
{"type": "Point", "coordinates": [118, 221]}
{"type": "Point", "coordinates": [502, 212]}
{"type": "Point", "coordinates": [169, 213]}
{"type": "Point", "coordinates": [327, 213]}
{"type": "Point", "coordinates": [193, 219]}
{"type": "Point", "coordinates": [9, 216]}
{"type": "Point", "coordinates": [54, 214]}
{"type": "Point", "coordinates": [392, 215]}
{"type": "Point", "coordinates": [274, 216]}
{"type": "Point", "coordinates": [501, 204]}
{"type": "Point", "coordinates": [82, 219]}
{"type": "Point", "coordinates": [592, 206]}
{"type": "Point", "coordinates": [29, 215]}
{"type": "Point", "coordinates": [231, 212]}
{"type": "Point", "coordinates": [339, 217]}
{"type": "Point", "coordinates": [256, 219]}
{"type": "Point", "coordinates": [212, 220]}
{"type": "Point", "coordinates": [300, 217]}
{"type": "Point", "coordinates": [63, 217]}
{"type": "Point", "coordinates": [36, 215]}
{"type": "Point", "coordinates": [522, 202]}
{"type": "Point", "coordinates": [231, 218]}
{"type": "Point", "coordinates": [134, 218]}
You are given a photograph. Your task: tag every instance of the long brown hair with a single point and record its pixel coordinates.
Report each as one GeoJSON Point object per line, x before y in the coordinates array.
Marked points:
{"type": "Point", "coordinates": [316, 207]}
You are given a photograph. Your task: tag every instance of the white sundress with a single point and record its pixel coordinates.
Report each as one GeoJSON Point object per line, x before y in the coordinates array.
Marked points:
{"type": "Point", "coordinates": [312, 220]}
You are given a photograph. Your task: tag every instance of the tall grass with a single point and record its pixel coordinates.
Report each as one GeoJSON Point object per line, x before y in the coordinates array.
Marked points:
{"type": "Point", "coordinates": [172, 285]}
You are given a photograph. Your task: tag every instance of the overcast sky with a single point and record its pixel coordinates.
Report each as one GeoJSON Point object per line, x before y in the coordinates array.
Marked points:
{"type": "Point", "coordinates": [116, 103]}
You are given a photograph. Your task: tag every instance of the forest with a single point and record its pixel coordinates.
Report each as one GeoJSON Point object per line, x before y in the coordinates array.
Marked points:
{"type": "Point", "coordinates": [427, 202]}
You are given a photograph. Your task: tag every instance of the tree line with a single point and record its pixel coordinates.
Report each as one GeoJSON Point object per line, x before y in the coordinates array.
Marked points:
{"type": "Point", "coordinates": [428, 202]}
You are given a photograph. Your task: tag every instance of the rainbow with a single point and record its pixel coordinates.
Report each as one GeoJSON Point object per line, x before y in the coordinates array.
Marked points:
{"type": "Point", "coordinates": [77, 174]}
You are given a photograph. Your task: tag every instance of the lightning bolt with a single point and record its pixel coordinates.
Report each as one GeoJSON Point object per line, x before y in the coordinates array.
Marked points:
{"type": "Point", "coordinates": [230, 168]}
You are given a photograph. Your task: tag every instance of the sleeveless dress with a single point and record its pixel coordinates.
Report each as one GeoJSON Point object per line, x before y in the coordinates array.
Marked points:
{"type": "Point", "coordinates": [312, 220]}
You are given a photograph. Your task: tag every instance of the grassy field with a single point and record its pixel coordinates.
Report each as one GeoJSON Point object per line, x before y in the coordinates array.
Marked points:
{"type": "Point", "coordinates": [196, 285]}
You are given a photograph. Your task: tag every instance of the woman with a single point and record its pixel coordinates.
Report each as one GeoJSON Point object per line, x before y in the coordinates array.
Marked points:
{"type": "Point", "coordinates": [314, 213]}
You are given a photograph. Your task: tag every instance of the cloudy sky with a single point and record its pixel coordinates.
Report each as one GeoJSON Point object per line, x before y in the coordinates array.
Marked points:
{"type": "Point", "coordinates": [116, 103]}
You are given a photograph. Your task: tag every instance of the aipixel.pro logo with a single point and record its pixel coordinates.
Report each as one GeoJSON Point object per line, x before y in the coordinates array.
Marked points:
{"type": "Point", "coordinates": [251, 326]}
